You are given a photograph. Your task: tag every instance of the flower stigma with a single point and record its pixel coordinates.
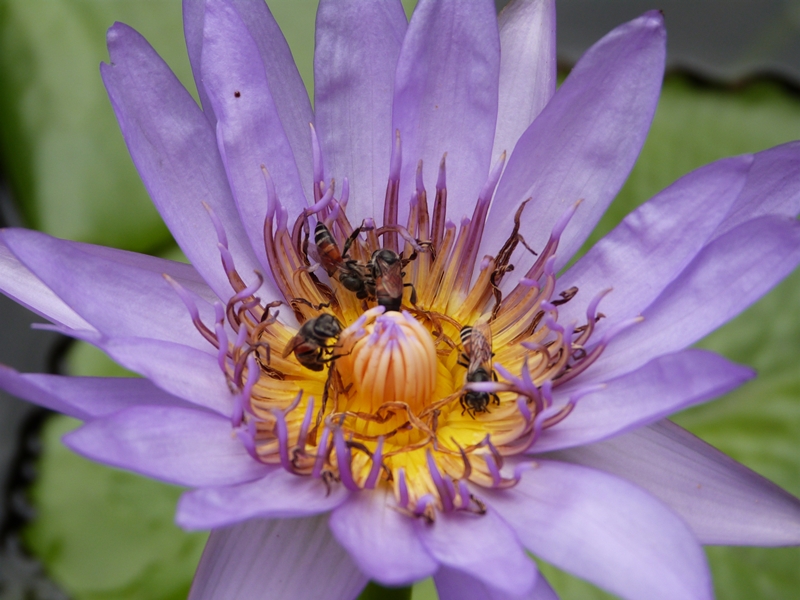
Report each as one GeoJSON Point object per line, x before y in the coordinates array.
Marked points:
{"type": "Point", "coordinates": [406, 370]}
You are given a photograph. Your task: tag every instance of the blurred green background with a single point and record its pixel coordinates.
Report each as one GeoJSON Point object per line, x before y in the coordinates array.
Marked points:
{"type": "Point", "coordinates": [104, 534]}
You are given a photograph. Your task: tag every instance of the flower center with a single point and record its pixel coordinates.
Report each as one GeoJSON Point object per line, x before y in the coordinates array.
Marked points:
{"type": "Point", "coordinates": [404, 372]}
{"type": "Point", "coordinates": [394, 363]}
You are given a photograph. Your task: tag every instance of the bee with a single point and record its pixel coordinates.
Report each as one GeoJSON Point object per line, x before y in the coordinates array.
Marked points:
{"type": "Point", "coordinates": [386, 267]}
{"type": "Point", "coordinates": [310, 345]}
{"type": "Point", "coordinates": [329, 255]}
{"type": "Point", "coordinates": [477, 358]}
{"type": "Point", "coordinates": [353, 276]}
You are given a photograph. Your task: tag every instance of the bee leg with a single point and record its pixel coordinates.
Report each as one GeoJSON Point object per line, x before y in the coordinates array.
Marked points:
{"type": "Point", "coordinates": [321, 357]}
{"type": "Point", "coordinates": [413, 297]}
{"type": "Point", "coordinates": [310, 304]}
{"type": "Point", "coordinates": [349, 241]}
{"type": "Point", "coordinates": [411, 258]}
{"type": "Point", "coordinates": [467, 408]}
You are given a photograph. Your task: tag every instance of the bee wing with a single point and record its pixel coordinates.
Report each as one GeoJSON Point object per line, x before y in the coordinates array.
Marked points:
{"type": "Point", "coordinates": [484, 331]}
{"type": "Point", "coordinates": [331, 265]}
{"type": "Point", "coordinates": [292, 344]}
{"type": "Point", "coordinates": [390, 277]}
{"type": "Point", "coordinates": [481, 346]}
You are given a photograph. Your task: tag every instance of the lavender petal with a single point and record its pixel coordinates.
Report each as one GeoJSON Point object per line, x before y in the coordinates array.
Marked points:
{"type": "Point", "coordinates": [249, 129]}
{"type": "Point", "coordinates": [19, 283]}
{"type": "Point", "coordinates": [355, 56]}
{"type": "Point", "coordinates": [772, 188]}
{"type": "Point", "coordinates": [85, 398]}
{"type": "Point", "coordinates": [452, 584]}
{"type": "Point", "coordinates": [180, 370]}
{"type": "Point", "coordinates": [282, 559]}
{"type": "Point", "coordinates": [383, 542]}
{"type": "Point", "coordinates": [120, 293]}
{"type": "Point", "coordinates": [730, 273]}
{"type": "Point", "coordinates": [660, 388]}
{"type": "Point", "coordinates": [585, 142]}
{"type": "Point", "coordinates": [606, 531]}
{"type": "Point", "coordinates": [178, 445]}
{"type": "Point", "coordinates": [483, 546]}
{"type": "Point", "coordinates": [174, 149]}
{"type": "Point", "coordinates": [278, 495]}
{"type": "Point", "coordinates": [527, 68]}
{"type": "Point", "coordinates": [285, 84]}
{"type": "Point", "coordinates": [445, 96]}
{"type": "Point", "coordinates": [723, 501]}
{"type": "Point", "coordinates": [656, 242]}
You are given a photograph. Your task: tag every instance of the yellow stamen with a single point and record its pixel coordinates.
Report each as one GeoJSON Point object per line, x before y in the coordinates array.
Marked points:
{"type": "Point", "coordinates": [406, 399]}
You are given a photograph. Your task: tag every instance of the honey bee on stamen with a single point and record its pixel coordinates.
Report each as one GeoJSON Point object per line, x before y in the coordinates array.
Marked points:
{"type": "Point", "coordinates": [310, 345]}
{"type": "Point", "coordinates": [387, 273]}
{"type": "Point", "coordinates": [353, 275]}
{"type": "Point", "coordinates": [329, 255]}
{"type": "Point", "coordinates": [477, 358]}
{"type": "Point", "coordinates": [381, 278]}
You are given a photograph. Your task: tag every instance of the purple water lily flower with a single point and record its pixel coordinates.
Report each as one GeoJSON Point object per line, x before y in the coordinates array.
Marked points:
{"type": "Point", "coordinates": [376, 366]}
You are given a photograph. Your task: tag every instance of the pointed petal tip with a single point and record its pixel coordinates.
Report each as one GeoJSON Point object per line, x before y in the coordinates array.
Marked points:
{"type": "Point", "coordinates": [653, 18]}
{"type": "Point", "coordinates": [747, 373]}
{"type": "Point", "coordinates": [118, 31]}
{"type": "Point", "coordinates": [649, 24]}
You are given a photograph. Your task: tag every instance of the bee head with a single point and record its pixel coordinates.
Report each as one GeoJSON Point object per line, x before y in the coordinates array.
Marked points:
{"type": "Point", "coordinates": [327, 326]}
